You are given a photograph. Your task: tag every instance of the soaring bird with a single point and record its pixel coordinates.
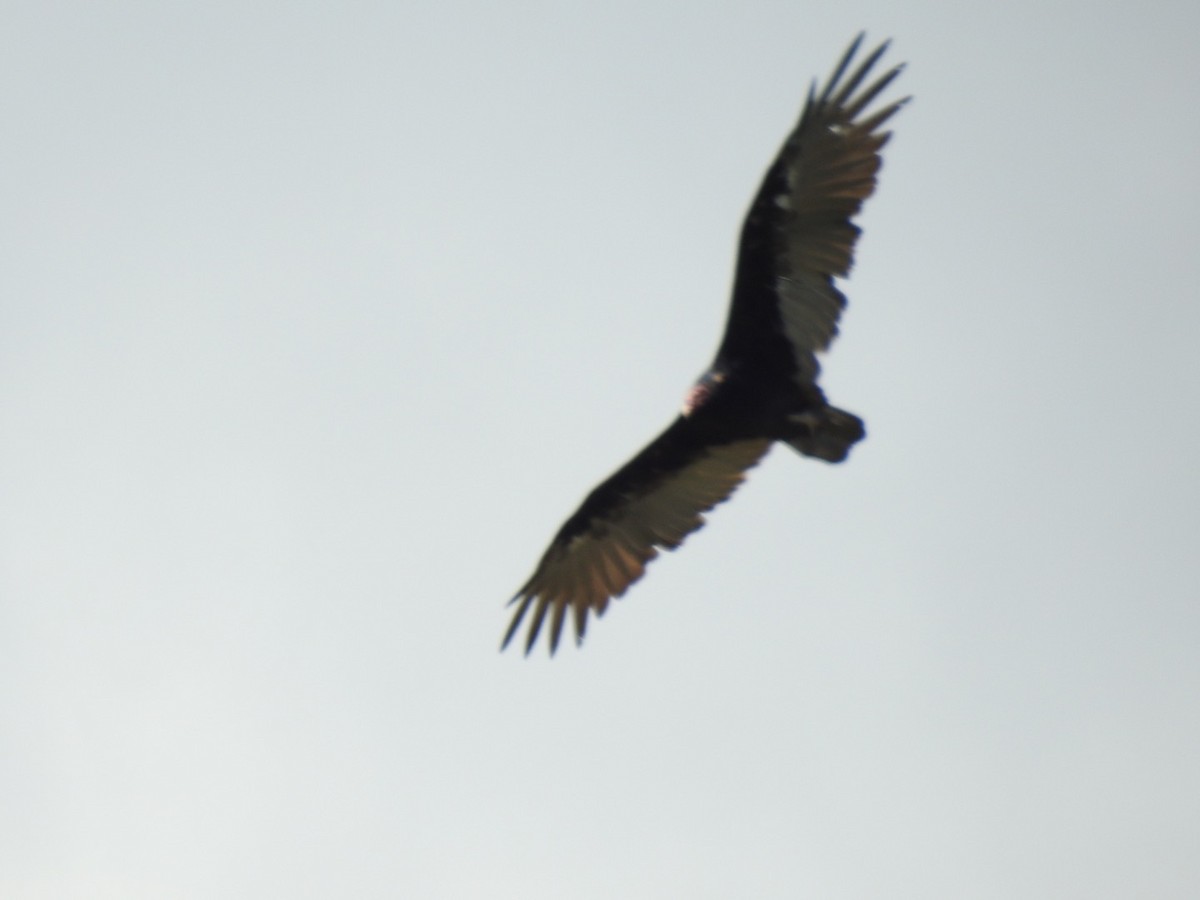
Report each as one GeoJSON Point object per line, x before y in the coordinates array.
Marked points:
{"type": "Point", "coordinates": [761, 387]}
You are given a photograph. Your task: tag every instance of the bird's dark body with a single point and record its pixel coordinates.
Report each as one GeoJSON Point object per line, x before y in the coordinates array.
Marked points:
{"type": "Point", "coordinates": [735, 410]}
{"type": "Point", "coordinates": [761, 387]}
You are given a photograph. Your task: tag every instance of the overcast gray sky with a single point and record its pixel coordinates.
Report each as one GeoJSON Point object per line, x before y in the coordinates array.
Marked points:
{"type": "Point", "coordinates": [317, 319]}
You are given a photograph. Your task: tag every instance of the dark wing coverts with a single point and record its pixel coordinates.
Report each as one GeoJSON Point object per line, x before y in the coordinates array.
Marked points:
{"type": "Point", "coordinates": [796, 238]}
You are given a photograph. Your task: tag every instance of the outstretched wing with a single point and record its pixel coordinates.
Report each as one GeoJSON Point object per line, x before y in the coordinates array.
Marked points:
{"type": "Point", "coordinates": [798, 233]}
{"type": "Point", "coordinates": [655, 500]}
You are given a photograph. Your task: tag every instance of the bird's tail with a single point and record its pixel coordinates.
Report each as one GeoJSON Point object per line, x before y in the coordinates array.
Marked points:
{"type": "Point", "coordinates": [827, 433]}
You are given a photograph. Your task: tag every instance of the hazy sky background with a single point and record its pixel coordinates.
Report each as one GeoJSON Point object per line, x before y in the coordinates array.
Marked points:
{"type": "Point", "coordinates": [317, 319]}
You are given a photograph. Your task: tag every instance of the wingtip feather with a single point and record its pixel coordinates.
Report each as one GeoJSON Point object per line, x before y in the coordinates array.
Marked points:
{"type": "Point", "coordinates": [843, 63]}
{"type": "Point", "coordinates": [515, 624]}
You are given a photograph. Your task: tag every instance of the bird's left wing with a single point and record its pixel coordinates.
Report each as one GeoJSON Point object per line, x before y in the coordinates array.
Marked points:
{"type": "Point", "coordinates": [655, 500]}
{"type": "Point", "coordinates": [799, 233]}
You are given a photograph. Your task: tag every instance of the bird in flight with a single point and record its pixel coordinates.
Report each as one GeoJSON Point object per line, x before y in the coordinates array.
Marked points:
{"type": "Point", "coordinates": [761, 387]}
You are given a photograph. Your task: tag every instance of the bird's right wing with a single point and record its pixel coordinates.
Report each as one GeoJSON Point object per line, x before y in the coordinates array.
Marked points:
{"type": "Point", "coordinates": [655, 500]}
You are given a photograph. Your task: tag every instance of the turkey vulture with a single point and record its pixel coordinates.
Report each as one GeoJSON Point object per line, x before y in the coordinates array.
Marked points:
{"type": "Point", "coordinates": [762, 386]}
